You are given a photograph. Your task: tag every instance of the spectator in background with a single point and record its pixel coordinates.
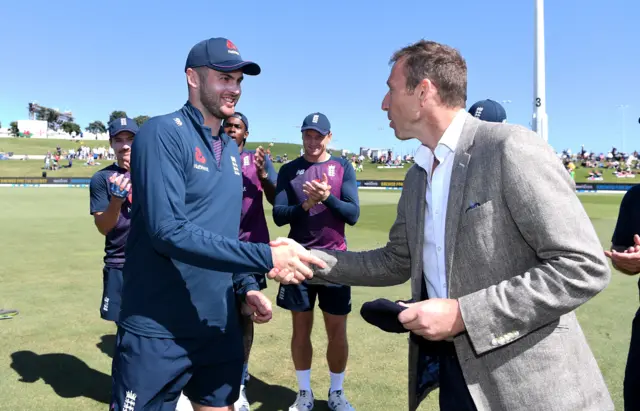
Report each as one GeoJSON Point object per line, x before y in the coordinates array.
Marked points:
{"type": "Point", "coordinates": [625, 256]}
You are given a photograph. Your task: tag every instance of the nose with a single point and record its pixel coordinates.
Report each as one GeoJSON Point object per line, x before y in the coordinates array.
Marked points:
{"type": "Point", "coordinates": [385, 102]}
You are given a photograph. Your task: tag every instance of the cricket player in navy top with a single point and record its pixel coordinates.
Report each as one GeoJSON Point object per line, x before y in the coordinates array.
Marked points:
{"type": "Point", "coordinates": [179, 328]}
{"type": "Point", "coordinates": [316, 195]}
{"type": "Point", "coordinates": [258, 176]}
{"type": "Point", "coordinates": [110, 204]}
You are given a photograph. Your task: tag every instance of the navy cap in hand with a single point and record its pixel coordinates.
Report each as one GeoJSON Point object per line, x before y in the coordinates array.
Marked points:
{"type": "Point", "coordinates": [318, 122]}
{"type": "Point", "coordinates": [489, 110]}
{"type": "Point", "coordinates": [220, 54]}
{"type": "Point", "coordinates": [122, 124]}
{"type": "Point", "coordinates": [383, 314]}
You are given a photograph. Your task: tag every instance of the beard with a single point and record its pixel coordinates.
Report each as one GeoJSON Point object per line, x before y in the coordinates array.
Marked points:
{"type": "Point", "coordinates": [212, 102]}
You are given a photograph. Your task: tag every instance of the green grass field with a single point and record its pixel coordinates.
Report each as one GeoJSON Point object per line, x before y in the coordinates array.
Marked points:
{"type": "Point", "coordinates": [34, 168]}
{"type": "Point", "coordinates": [55, 355]}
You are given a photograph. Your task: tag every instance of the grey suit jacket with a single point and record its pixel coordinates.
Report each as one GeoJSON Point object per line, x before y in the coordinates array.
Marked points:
{"type": "Point", "coordinates": [519, 264]}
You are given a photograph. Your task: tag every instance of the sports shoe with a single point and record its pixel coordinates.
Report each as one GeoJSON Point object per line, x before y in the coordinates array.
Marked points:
{"type": "Point", "coordinates": [338, 402]}
{"type": "Point", "coordinates": [304, 401]}
{"type": "Point", "coordinates": [242, 404]}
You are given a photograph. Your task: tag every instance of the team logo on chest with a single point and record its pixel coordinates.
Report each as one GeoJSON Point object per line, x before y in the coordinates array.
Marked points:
{"type": "Point", "coordinates": [332, 171]}
{"type": "Point", "coordinates": [201, 160]}
{"type": "Point", "coordinates": [236, 170]}
{"type": "Point", "coordinates": [246, 162]}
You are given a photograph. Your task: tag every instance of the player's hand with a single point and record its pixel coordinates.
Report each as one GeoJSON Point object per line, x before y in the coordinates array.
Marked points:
{"type": "Point", "coordinates": [119, 186]}
{"type": "Point", "coordinates": [258, 307]}
{"type": "Point", "coordinates": [259, 162]}
{"type": "Point", "coordinates": [291, 262]}
{"type": "Point", "coordinates": [317, 190]}
{"type": "Point", "coordinates": [627, 261]}
{"type": "Point", "coordinates": [435, 319]}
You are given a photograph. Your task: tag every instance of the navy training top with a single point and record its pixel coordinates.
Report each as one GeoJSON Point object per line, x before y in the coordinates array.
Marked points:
{"type": "Point", "coordinates": [99, 199]}
{"type": "Point", "coordinates": [183, 244]}
{"type": "Point", "coordinates": [323, 226]}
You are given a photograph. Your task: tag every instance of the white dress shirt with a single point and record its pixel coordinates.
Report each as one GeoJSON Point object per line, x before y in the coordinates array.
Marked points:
{"type": "Point", "coordinates": [438, 181]}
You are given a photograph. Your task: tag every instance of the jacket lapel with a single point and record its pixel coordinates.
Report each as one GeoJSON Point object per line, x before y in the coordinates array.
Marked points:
{"type": "Point", "coordinates": [456, 190]}
{"type": "Point", "coordinates": [419, 208]}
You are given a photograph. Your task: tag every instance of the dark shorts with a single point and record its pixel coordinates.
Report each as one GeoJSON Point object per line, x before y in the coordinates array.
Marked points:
{"type": "Point", "coordinates": [111, 293]}
{"type": "Point", "coordinates": [332, 299]}
{"type": "Point", "coordinates": [150, 372]}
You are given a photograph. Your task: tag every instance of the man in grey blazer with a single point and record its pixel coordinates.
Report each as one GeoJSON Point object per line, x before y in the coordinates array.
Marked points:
{"type": "Point", "coordinates": [498, 249]}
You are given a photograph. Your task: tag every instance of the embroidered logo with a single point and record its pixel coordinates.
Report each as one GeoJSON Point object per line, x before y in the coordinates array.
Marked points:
{"type": "Point", "coordinates": [246, 162]}
{"type": "Point", "coordinates": [129, 401]}
{"type": "Point", "coordinates": [178, 121]}
{"type": "Point", "coordinates": [200, 157]}
{"type": "Point", "coordinates": [332, 171]}
{"type": "Point", "coordinates": [236, 170]}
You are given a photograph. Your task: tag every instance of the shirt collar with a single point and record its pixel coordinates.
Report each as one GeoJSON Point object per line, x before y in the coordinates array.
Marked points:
{"type": "Point", "coordinates": [447, 144]}
{"type": "Point", "coordinates": [191, 112]}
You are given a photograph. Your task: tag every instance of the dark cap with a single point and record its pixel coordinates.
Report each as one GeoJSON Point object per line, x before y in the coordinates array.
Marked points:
{"type": "Point", "coordinates": [489, 110]}
{"type": "Point", "coordinates": [318, 122]}
{"type": "Point", "coordinates": [123, 124]}
{"type": "Point", "coordinates": [242, 117]}
{"type": "Point", "coordinates": [219, 54]}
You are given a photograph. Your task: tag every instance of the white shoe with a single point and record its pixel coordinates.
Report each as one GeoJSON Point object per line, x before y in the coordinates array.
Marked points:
{"type": "Point", "coordinates": [242, 404]}
{"type": "Point", "coordinates": [338, 402]}
{"type": "Point", "coordinates": [304, 401]}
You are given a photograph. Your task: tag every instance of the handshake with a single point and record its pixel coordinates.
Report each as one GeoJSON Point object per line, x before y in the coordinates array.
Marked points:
{"type": "Point", "coordinates": [291, 262]}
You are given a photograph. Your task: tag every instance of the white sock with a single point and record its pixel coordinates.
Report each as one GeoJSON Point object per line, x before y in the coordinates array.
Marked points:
{"type": "Point", "coordinates": [304, 380]}
{"type": "Point", "coordinates": [336, 381]}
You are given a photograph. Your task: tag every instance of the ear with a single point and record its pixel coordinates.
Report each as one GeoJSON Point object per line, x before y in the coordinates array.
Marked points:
{"type": "Point", "coordinates": [425, 91]}
{"type": "Point", "coordinates": [192, 78]}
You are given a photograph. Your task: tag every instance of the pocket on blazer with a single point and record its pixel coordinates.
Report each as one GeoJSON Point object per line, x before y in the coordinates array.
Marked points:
{"type": "Point", "coordinates": [479, 213]}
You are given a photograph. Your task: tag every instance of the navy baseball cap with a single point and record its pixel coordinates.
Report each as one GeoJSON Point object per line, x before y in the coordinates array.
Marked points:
{"type": "Point", "coordinates": [318, 122]}
{"type": "Point", "coordinates": [123, 124]}
{"type": "Point", "coordinates": [489, 110]}
{"type": "Point", "coordinates": [219, 54]}
{"type": "Point", "coordinates": [242, 117]}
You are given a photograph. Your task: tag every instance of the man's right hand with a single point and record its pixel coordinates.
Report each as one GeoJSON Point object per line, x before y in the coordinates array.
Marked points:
{"type": "Point", "coordinates": [291, 262]}
{"type": "Point", "coordinates": [119, 186]}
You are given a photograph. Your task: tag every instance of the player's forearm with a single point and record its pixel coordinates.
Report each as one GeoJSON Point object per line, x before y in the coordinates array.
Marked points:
{"type": "Point", "coordinates": [345, 210]}
{"type": "Point", "coordinates": [243, 283]}
{"type": "Point", "coordinates": [283, 215]}
{"type": "Point", "coordinates": [269, 190]}
{"type": "Point", "coordinates": [191, 244]}
{"type": "Point", "coordinates": [106, 221]}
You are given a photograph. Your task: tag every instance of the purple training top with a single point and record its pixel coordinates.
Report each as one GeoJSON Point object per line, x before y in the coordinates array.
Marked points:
{"type": "Point", "coordinates": [253, 225]}
{"type": "Point", "coordinates": [323, 226]}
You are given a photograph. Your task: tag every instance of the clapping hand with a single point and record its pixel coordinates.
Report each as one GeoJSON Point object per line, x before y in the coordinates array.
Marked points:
{"type": "Point", "coordinates": [291, 262]}
{"type": "Point", "coordinates": [258, 307]}
{"type": "Point", "coordinates": [119, 186]}
{"type": "Point", "coordinates": [316, 190]}
{"type": "Point", "coordinates": [627, 261]}
{"type": "Point", "coordinates": [259, 162]}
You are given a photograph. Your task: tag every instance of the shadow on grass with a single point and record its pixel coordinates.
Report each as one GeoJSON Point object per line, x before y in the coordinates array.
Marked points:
{"type": "Point", "coordinates": [275, 397]}
{"type": "Point", "coordinates": [68, 376]}
{"type": "Point", "coordinates": [107, 344]}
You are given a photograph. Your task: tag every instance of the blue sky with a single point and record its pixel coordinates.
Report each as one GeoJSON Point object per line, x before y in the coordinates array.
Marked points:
{"type": "Point", "coordinates": [331, 56]}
